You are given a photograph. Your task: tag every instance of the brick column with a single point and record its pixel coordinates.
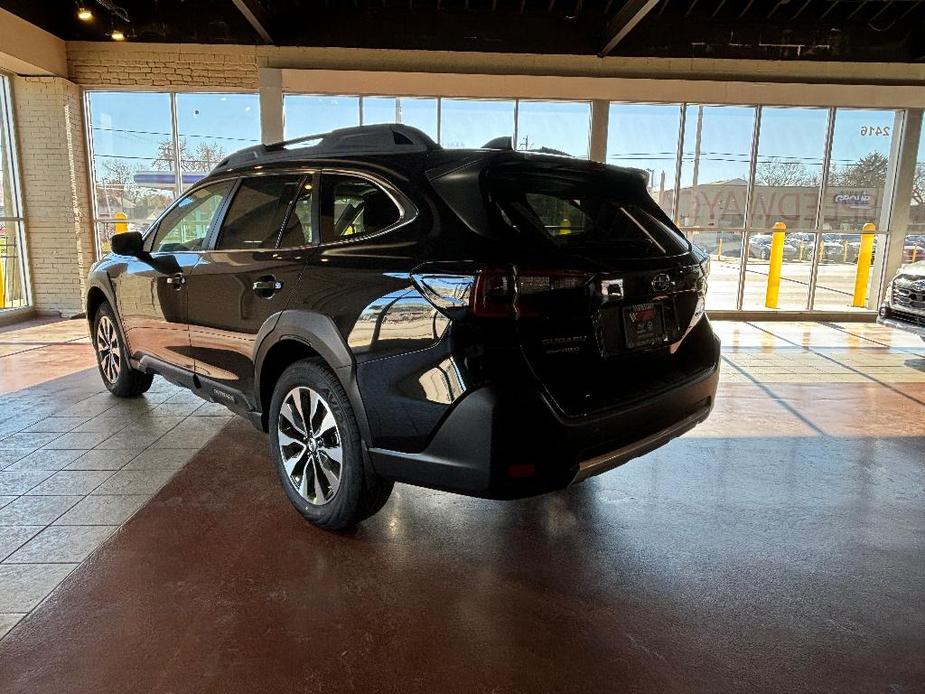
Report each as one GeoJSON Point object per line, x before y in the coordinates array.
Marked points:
{"type": "Point", "coordinates": [55, 189]}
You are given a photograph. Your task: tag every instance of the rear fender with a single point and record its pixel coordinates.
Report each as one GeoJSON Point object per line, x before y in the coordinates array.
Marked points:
{"type": "Point", "coordinates": [320, 334]}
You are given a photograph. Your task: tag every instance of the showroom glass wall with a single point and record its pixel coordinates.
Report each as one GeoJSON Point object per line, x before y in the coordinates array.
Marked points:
{"type": "Point", "coordinates": [14, 287]}
{"type": "Point", "coordinates": [736, 171]}
{"type": "Point", "coordinates": [727, 174]}
{"type": "Point", "coordinates": [148, 147]}
{"type": "Point", "coordinates": [914, 246]}
{"type": "Point", "coordinates": [454, 123]}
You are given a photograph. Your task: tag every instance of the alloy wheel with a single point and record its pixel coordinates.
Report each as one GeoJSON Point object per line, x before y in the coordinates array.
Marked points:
{"type": "Point", "coordinates": [310, 445]}
{"type": "Point", "coordinates": [107, 349]}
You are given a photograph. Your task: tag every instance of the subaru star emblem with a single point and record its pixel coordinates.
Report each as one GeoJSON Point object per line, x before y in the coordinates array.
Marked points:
{"type": "Point", "coordinates": [918, 286]}
{"type": "Point", "coordinates": [661, 282]}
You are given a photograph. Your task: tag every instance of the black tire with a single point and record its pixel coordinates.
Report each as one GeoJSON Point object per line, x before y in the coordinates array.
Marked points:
{"type": "Point", "coordinates": [118, 375]}
{"type": "Point", "coordinates": [359, 492]}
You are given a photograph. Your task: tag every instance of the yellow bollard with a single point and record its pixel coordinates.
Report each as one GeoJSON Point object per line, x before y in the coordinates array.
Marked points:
{"type": "Point", "coordinates": [719, 249]}
{"type": "Point", "coordinates": [774, 265]}
{"type": "Point", "coordinates": [120, 227]}
{"type": "Point", "coordinates": [865, 252]}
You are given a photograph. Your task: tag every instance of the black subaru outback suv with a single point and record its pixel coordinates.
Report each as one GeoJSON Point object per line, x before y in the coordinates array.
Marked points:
{"type": "Point", "coordinates": [490, 322]}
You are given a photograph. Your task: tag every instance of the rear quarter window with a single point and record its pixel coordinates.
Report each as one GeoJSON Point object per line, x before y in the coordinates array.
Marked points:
{"type": "Point", "coordinates": [354, 206]}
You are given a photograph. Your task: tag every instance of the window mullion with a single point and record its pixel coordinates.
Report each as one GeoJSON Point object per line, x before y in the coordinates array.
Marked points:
{"type": "Point", "coordinates": [178, 186]}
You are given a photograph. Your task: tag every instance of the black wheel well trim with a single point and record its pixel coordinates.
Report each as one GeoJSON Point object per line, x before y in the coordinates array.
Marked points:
{"type": "Point", "coordinates": [336, 357]}
{"type": "Point", "coordinates": [97, 295]}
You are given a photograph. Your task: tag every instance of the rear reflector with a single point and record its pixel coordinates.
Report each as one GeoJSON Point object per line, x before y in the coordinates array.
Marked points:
{"type": "Point", "coordinates": [521, 470]}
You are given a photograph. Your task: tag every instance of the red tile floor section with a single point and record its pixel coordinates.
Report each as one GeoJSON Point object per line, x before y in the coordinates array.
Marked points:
{"type": "Point", "coordinates": [778, 547]}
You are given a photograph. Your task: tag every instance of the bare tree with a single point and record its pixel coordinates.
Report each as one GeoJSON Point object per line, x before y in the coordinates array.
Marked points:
{"type": "Point", "coordinates": [201, 159]}
{"type": "Point", "coordinates": [781, 172]}
{"type": "Point", "coordinates": [918, 184]}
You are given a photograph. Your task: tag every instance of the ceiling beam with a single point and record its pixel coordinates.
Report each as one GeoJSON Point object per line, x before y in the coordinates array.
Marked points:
{"type": "Point", "coordinates": [255, 17]}
{"type": "Point", "coordinates": [624, 21]}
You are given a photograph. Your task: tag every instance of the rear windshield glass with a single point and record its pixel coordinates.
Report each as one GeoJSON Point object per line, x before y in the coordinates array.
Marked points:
{"type": "Point", "coordinates": [579, 212]}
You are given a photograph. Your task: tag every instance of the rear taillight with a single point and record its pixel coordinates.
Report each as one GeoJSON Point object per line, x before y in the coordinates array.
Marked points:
{"type": "Point", "coordinates": [495, 292]}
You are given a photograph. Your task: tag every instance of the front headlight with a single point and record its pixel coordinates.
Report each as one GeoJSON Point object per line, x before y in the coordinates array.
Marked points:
{"type": "Point", "coordinates": [705, 267]}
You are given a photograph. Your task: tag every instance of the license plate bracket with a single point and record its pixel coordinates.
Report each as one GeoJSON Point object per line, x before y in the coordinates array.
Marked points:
{"type": "Point", "coordinates": [644, 325]}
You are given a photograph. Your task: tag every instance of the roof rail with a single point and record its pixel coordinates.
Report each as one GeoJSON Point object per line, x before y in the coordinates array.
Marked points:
{"type": "Point", "coordinates": [365, 139]}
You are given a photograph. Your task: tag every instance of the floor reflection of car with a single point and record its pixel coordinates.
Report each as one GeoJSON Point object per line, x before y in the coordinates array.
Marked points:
{"type": "Point", "coordinates": [904, 305]}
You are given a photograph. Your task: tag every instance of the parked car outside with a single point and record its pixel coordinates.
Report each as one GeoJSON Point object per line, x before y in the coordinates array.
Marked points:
{"type": "Point", "coordinates": [904, 304]}
{"type": "Point", "coordinates": [759, 246]}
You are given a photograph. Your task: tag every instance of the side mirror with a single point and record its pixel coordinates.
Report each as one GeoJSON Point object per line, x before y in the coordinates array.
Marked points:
{"type": "Point", "coordinates": [128, 243]}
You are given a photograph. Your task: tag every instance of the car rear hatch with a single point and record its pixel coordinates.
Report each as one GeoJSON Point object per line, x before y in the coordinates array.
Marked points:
{"type": "Point", "coordinates": [601, 287]}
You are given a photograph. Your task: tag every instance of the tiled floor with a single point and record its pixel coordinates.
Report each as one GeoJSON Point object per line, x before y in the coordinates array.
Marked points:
{"type": "Point", "coordinates": [76, 462]}
{"type": "Point", "coordinates": [779, 545]}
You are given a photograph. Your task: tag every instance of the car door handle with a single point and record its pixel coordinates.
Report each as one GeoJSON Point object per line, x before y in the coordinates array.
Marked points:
{"type": "Point", "coordinates": [268, 285]}
{"type": "Point", "coordinates": [177, 281]}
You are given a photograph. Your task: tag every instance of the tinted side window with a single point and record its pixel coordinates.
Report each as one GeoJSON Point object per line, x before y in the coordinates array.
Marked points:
{"type": "Point", "coordinates": [186, 226]}
{"type": "Point", "coordinates": [255, 216]}
{"type": "Point", "coordinates": [351, 205]}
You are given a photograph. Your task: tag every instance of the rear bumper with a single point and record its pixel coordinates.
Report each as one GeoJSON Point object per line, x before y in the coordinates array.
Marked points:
{"type": "Point", "coordinates": [608, 461]}
{"type": "Point", "coordinates": [510, 443]}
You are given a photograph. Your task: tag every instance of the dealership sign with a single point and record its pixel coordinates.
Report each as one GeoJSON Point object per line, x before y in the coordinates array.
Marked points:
{"type": "Point", "coordinates": [859, 200]}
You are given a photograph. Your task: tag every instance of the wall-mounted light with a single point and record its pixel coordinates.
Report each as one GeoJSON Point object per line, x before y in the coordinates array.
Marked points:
{"type": "Point", "coordinates": [84, 14]}
{"type": "Point", "coordinates": [117, 35]}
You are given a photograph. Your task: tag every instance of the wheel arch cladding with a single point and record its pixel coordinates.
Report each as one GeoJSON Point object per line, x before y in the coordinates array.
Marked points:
{"type": "Point", "coordinates": [96, 297]}
{"type": "Point", "coordinates": [277, 359]}
{"type": "Point", "coordinates": [314, 336]}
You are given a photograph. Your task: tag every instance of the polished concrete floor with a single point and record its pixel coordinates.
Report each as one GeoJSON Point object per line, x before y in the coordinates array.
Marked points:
{"type": "Point", "coordinates": [778, 547]}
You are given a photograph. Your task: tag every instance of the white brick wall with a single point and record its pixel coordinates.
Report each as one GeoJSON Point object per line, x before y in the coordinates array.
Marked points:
{"type": "Point", "coordinates": [53, 148]}
{"type": "Point", "coordinates": [175, 67]}
{"type": "Point", "coordinates": [53, 166]}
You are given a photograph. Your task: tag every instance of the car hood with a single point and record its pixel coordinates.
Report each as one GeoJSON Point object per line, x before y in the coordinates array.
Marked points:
{"type": "Point", "coordinates": [917, 269]}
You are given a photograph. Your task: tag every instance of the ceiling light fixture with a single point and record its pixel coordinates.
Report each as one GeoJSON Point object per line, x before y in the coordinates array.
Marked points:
{"type": "Point", "coordinates": [84, 14]}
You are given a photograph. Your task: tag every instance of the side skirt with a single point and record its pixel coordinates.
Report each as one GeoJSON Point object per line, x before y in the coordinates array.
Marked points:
{"type": "Point", "coordinates": [205, 388]}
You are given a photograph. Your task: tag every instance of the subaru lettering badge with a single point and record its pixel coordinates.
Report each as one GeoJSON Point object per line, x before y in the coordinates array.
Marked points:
{"type": "Point", "coordinates": [661, 282]}
{"type": "Point", "coordinates": [612, 289]}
